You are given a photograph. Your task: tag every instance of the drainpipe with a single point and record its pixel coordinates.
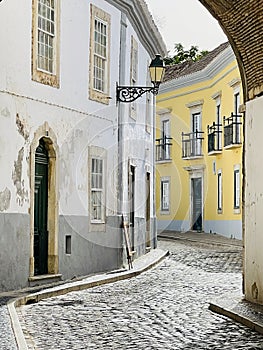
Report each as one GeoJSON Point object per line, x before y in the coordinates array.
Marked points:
{"type": "Point", "coordinates": [121, 113]}
{"type": "Point", "coordinates": [153, 174]}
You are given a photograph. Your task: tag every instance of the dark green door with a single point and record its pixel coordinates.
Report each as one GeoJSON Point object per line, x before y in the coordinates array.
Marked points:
{"type": "Point", "coordinates": [197, 204]}
{"type": "Point", "coordinates": [40, 210]}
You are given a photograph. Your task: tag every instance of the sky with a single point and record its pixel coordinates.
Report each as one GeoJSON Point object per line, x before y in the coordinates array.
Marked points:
{"type": "Point", "coordinates": [187, 22]}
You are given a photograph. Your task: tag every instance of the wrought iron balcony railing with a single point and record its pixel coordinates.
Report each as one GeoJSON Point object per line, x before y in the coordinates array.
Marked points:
{"type": "Point", "coordinates": [232, 130]}
{"type": "Point", "coordinates": [214, 136]}
{"type": "Point", "coordinates": [192, 144]}
{"type": "Point", "coordinates": [163, 149]}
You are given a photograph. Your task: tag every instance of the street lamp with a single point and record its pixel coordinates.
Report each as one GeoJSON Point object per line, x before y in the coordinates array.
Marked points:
{"type": "Point", "coordinates": [131, 93]}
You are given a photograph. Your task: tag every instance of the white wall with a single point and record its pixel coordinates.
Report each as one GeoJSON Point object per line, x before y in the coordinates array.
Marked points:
{"type": "Point", "coordinates": [253, 239]}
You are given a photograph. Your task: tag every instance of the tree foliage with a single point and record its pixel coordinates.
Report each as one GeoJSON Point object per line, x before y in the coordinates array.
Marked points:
{"type": "Point", "coordinates": [182, 55]}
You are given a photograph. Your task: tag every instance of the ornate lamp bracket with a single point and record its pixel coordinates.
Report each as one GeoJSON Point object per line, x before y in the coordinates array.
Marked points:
{"type": "Point", "coordinates": [129, 94]}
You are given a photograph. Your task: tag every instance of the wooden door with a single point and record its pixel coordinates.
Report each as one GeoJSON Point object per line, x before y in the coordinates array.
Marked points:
{"type": "Point", "coordinates": [40, 210]}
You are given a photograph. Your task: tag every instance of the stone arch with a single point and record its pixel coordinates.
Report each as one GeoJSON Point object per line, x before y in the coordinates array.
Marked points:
{"type": "Point", "coordinates": [45, 133]}
{"type": "Point", "coordinates": [242, 22]}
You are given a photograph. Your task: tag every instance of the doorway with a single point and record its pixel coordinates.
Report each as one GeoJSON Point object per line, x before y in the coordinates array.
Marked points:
{"type": "Point", "coordinates": [41, 210]}
{"type": "Point", "coordinates": [148, 210]}
{"type": "Point", "coordinates": [131, 186]}
{"type": "Point", "coordinates": [197, 204]}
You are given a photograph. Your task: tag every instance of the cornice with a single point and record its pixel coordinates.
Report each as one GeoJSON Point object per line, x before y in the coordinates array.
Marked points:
{"type": "Point", "coordinates": [210, 71]}
{"type": "Point", "coordinates": [142, 21]}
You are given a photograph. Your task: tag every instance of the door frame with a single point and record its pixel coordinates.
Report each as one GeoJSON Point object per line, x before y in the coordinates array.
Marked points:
{"type": "Point", "coordinates": [46, 133]}
{"type": "Point", "coordinates": [194, 175]}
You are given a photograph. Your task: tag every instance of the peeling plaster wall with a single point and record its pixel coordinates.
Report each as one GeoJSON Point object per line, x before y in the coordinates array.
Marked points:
{"type": "Point", "coordinates": [29, 108]}
{"type": "Point", "coordinates": [253, 263]}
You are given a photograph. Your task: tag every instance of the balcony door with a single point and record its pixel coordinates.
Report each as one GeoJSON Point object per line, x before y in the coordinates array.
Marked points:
{"type": "Point", "coordinates": [196, 129]}
{"type": "Point", "coordinates": [166, 136]}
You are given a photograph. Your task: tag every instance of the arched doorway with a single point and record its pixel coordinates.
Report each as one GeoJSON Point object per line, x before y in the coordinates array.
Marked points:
{"type": "Point", "coordinates": [44, 205]}
{"type": "Point", "coordinates": [41, 210]}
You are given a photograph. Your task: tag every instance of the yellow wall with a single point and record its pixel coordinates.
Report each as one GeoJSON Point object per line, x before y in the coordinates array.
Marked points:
{"type": "Point", "coordinates": [176, 101]}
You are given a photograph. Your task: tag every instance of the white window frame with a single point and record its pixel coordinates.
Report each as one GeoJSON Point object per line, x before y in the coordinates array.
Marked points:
{"type": "Point", "coordinates": [165, 205]}
{"type": "Point", "coordinates": [219, 192]}
{"type": "Point", "coordinates": [46, 30]}
{"type": "Point", "coordinates": [99, 51]}
{"type": "Point", "coordinates": [97, 184]}
{"type": "Point", "coordinates": [134, 73]}
{"type": "Point", "coordinates": [166, 134]}
{"type": "Point", "coordinates": [237, 189]}
{"type": "Point", "coordinates": [46, 25]}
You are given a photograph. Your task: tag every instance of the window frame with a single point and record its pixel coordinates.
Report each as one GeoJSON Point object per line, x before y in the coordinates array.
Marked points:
{"type": "Point", "coordinates": [237, 186]}
{"type": "Point", "coordinates": [39, 74]}
{"type": "Point", "coordinates": [166, 181]}
{"type": "Point", "coordinates": [96, 176]}
{"type": "Point", "coordinates": [219, 192]}
{"type": "Point", "coordinates": [100, 154]}
{"type": "Point", "coordinates": [97, 14]}
{"type": "Point", "coordinates": [134, 65]}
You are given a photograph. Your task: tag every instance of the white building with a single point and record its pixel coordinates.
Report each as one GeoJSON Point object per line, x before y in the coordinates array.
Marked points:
{"type": "Point", "coordinates": [72, 159]}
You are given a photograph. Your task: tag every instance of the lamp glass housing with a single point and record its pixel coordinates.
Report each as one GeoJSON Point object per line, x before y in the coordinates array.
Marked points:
{"type": "Point", "coordinates": [157, 70]}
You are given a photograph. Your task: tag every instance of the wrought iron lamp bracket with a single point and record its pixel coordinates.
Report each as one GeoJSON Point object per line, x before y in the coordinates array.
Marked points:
{"type": "Point", "coordinates": [129, 94]}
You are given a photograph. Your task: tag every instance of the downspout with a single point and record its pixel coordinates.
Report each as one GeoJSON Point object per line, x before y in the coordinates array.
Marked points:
{"type": "Point", "coordinates": [121, 113]}
{"type": "Point", "coordinates": [154, 173]}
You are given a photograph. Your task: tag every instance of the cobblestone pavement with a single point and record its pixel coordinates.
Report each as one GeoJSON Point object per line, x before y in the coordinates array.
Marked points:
{"type": "Point", "coordinates": [7, 339]}
{"type": "Point", "coordinates": [164, 308]}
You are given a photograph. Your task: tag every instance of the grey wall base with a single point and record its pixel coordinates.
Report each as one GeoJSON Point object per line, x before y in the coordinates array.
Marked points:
{"type": "Point", "coordinates": [91, 251]}
{"type": "Point", "coordinates": [15, 248]}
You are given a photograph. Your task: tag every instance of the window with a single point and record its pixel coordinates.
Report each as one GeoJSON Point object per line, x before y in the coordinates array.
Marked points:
{"type": "Point", "coordinates": [45, 65]}
{"type": "Point", "coordinates": [236, 102]}
{"type": "Point", "coordinates": [97, 190]}
{"type": "Point", "coordinates": [219, 192]}
{"type": "Point", "coordinates": [133, 72]}
{"type": "Point", "coordinates": [68, 244]}
{"type": "Point", "coordinates": [165, 195]}
{"type": "Point", "coordinates": [166, 138]}
{"type": "Point", "coordinates": [196, 137]}
{"type": "Point", "coordinates": [236, 188]}
{"type": "Point", "coordinates": [46, 35]}
{"type": "Point", "coordinates": [99, 55]}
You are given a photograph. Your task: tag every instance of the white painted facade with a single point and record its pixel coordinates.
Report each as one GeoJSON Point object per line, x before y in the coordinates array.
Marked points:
{"type": "Point", "coordinates": [76, 127]}
{"type": "Point", "coordinates": [253, 203]}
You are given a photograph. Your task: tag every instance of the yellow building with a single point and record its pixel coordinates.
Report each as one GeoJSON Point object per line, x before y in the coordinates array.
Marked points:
{"type": "Point", "coordinates": [199, 146]}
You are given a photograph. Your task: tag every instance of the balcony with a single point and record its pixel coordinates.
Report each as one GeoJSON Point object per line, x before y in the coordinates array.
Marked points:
{"type": "Point", "coordinates": [214, 133]}
{"type": "Point", "coordinates": [232, 131]}
{"type": "Point", "coordinates": [163, 149]}
{"type": "Point", "coordinates": [192, 144]}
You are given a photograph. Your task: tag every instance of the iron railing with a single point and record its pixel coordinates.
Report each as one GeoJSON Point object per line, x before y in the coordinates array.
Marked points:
{"type": "Point", "coordinates": [232, 130]}
{"type": "Point", "coordinates": [192, 144]}
{"type": "Point", "coordinates": [214, 137]}
{"type": "Point", "coordinates": [163, 148]}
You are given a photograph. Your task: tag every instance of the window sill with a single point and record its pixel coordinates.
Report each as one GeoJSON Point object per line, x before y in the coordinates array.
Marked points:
{"type": "Point", "coordinates": [232, 146]}
{"type": "Point", "coordinates": [237, 211]}
{"type": "Point", "coordinates": [193, 157]}
{"type": "Point", "coordinates": [164, 161]}
{"type": "Point", "coordinates": [163, 212]}
{"type": "Point", "coordinates": [213, 153]}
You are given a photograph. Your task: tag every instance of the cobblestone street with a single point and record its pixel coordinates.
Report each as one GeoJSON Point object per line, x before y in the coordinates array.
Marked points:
{"type": "Point", "coordinates": [164, 308]}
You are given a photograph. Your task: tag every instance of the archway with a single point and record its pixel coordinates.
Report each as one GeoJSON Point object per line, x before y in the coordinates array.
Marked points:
{"type": "Point", "coordinates": [44, 204]}
{"type": "Point", "coordinates": [242, 22]}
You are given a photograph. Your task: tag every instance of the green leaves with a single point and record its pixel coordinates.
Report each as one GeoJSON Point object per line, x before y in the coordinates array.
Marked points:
{"type": "Point", "coordinates": [181, 55]}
